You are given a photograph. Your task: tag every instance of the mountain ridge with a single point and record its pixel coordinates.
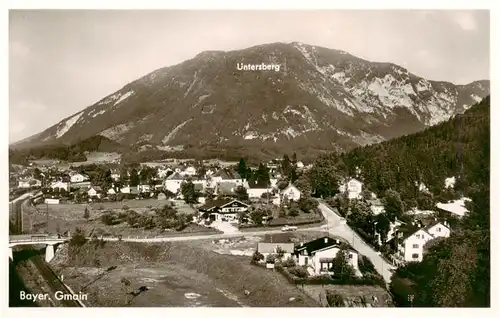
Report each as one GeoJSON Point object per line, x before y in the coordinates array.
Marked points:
{"type": "Point", "coordinates": [321, 98]}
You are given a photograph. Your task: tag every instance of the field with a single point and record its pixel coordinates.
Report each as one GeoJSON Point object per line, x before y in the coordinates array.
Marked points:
{"type": "Point", "coordinates": [67, 217]}
{"type": "Point", "coordinates": [173, 274]}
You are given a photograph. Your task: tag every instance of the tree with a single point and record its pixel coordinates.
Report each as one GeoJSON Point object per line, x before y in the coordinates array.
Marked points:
{"type": "Point", "coordinates": [86, 214]}
{"type": "Point", "coordinates": [241, 193]}
{"type": "Point", "coordinates": [242, 168]}
{"type": "Point", "coordinates": [393, 205]}
{"type": "Point", "coordinates": [325, 175]}
{"type": "Point", "coordinates": [382, 226]}
{"type": "Point", "coordinates": [293, 210]}
{"type": "Point", "coordinates": [341, 267]}
{"type": "Point", "coordinates": [262, 176]}
{"type": "Point", "coordinates": [286, 166]}
{"type": "Point", "coordinates": [257, 216]}
{"type": "Point", "coordinates": [134, 178]}
{"type": "Point", "coordinates": [303, 183]}
{"type": "Point", "coordinates": [77, 238]}
{"type": "Point", "coordinates": [294, 159]}
{"type": "Point", "coordinates": [188, 192]}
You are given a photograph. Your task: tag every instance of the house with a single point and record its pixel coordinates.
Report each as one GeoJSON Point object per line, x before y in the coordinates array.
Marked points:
{"type": "Point", "coordinates": [78, 177]}
{"type": "Point", "coordinates": [226, 188]}
{"type": "Point", "coordinates": [255, 191]}
{"type": "Point", "coordinates": [80, 185]}
{"type": "Point", "coordinates": [318, 255]}
{"type": "Point", "coordinates": [274, 182]}
{"type": "Point", "coordinates": [115, 175]}
{"type": "Point", "coordinates": [163, 172]}
{"type": "Point", "coordinates": [94, 191]}
{"type": "Point", "coordinates": [299, 164]}
{"type": "Point", "coordinates": [411, 240]}
{"type": "Point", "coordinates": [144, 188]}
{"type": "Point", "coordinates": [267, 249]}
{"type": "Point", "coordinates": [353, 187]}
{"type": "Point", "coordinates": [189, 171]}
{"type": "Point", "coordinates": [227, 175]}
{"type": "Point", "coordinates": [376, 206]}
{"type": "Point", "coordinates": [111, 191]}
{"type": "Point", "coordinates": [162, 196]}
{"type": "Point", "coordinates": [60, 185]}
{"type": "Point", "coordinates": [290, 193]}
{"type": "Point", "coordinates": [456, 207]}
{"type": "Point", "coordinates": [224, 209]}
{"type": "Point", "coordinates": [29, 183]}
{"type": "Point", "coordinates": [173, 182]}
{"type": "Point", "coordinates": [125, 189]}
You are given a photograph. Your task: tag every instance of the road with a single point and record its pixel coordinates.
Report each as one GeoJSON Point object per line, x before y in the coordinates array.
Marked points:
{"type": "Point", "coordinates": [337, 227]}
{"type": "Point", "coordinates": [208, 237]}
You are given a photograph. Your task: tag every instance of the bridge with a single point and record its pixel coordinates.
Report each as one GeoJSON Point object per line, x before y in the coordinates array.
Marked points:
{"type": "Point", "coordinates": [50, 240]}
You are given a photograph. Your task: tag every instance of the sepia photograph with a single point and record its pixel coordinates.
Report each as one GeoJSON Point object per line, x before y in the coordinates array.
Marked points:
{"type": "Point", "coordinates": [249, 158]}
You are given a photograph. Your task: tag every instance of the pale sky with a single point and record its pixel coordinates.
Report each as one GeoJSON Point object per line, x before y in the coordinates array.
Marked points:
{"type": "Point", "coordinates": [63, 61]}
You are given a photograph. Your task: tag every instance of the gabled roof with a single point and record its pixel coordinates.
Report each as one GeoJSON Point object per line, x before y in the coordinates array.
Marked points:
{"type": "Point", "coordinates": [291, 186]}
{"type": "Point", "coordinates": [319, 244]}
{"type": "Point", "coordinates": [234, 201]}
{"type": "Point", "coordinates": [227, 174]}
{"type": "Point", "coordinates": [215, 204]}
{"type": "Point", "coordinates": [175, 176]}
{"type": "Point", "coordinates": [219, 203]}
{"type": "Point", "coordinates": [97, 188]}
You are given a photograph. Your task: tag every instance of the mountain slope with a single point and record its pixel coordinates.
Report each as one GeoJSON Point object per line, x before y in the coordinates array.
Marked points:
{"type": "Point", "coordinates": [456, 148]}
{"type": "Point", "coordinates": [320, 99]}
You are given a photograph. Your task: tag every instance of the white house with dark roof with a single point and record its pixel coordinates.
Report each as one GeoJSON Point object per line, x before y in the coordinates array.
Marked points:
{"type": "Point", "coordinates": [224, 209]}
{"type": "Point", "coordinates": [411, 241]}
{"type": "Point", "coordinates": [318, 255]}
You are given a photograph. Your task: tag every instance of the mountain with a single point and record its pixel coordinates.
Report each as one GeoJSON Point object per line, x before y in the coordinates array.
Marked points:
{"type": "Point", "coordinates": [320, 99]}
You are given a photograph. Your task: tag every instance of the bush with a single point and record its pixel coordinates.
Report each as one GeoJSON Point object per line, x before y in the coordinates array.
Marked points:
{"type": "Point", "coordinates": [78, 238]}
{"type": "Point", "coordinates": [334, 300]}
{"type": "Point", "coordinates": [289, 262]}
{"type": "Point", "coordinates": [299, 271]}
{"type": "Point", "coordinates": [257, 257]}
{"type": "Point", "coordinates": [365, 265]}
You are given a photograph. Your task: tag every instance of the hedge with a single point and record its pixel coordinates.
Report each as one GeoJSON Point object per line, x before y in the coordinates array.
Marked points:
{"type": "Point", "coordinates": [323, 280]}
{"type": "Point", "coordinates": [282, 222]}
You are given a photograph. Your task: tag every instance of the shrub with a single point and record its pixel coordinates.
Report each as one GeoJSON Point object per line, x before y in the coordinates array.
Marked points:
{"type": "Point", "coordinates": [334, 300]}
{"type": "Point", "coordinates": [257, 257]}
{"type": "Point", "coordinates": [289, 262]}
{"type": "Point", "coordinates": [78, 238]}
{"type": "Point", "coordinates": [299, 271]}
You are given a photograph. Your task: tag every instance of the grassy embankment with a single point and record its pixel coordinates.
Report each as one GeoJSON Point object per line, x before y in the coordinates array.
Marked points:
{"type": "Point", "coordinates": [174, 274]}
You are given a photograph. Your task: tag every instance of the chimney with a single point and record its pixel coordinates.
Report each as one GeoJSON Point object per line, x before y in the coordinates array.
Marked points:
{"type": "Point", "coordinates": [301, 243]}
{"type": "Point", "coordinates": [337, 242]}
{"type": "Point", "coordinates": [326, 240]}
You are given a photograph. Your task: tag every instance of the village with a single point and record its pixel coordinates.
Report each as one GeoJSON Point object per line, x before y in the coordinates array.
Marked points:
{"type": "Point", "coordinates": [268, 196]}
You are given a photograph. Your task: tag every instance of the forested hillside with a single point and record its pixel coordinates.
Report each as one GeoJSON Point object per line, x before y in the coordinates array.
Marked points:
{"type": "Point", "coordinates": [458, 147]}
